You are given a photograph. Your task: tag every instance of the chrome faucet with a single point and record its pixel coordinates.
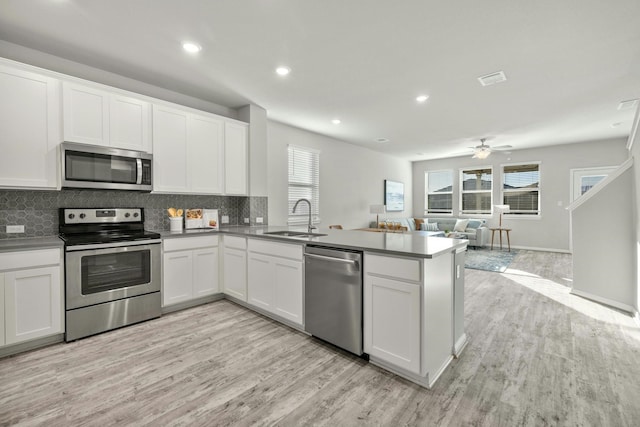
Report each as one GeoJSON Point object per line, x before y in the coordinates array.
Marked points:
{"type": "Point", "coordinates": [310, 227]}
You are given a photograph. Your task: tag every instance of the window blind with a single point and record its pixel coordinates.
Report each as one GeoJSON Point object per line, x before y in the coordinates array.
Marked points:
{"type": "Point", "coordinates": [304, 183]}
{"type": "Point", "coordinates": [521, 189]}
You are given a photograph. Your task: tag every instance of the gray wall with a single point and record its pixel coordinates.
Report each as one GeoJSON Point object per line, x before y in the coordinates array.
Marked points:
{"type": "Point", "coordinates": [603, 255]}
{"type": "Point", "coordinates": [551, 231]}
{"type": "Point", "coordinates": [351, 177]}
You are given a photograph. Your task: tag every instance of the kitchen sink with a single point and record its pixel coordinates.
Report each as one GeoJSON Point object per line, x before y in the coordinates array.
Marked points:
{"type": "Point", "coordinates": [286, 233]}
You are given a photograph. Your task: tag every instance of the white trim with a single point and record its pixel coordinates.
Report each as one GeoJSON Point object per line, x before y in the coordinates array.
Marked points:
{"type": "Point", "coordinates": [605, 301]}
{"type": "Point", "coordinates": [533, 248]}
{"type": "Point", "coordinates": [460, 345]}
{"type": "Point", "coordinates": [573, 171]}
{"type": "Point", "coordinates": [426, 190]}
{"type": "Point", "coordinates": [461, 212]}
{"type": "Point", "coordinates": [634, 129]}
{"type": "Point", "coordinates": [596, 188]}
{"type": "Point", "coordinates": [539, 190]}
{"type": "Point", "coordinates": [636, 317]}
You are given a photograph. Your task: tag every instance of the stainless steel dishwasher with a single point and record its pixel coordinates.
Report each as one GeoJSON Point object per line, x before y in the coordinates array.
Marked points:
{"type": "Point", "coordinates": [333, 296]}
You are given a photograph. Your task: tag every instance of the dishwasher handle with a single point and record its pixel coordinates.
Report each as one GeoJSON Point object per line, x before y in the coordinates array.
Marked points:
{"type": "Point", "coordinates": [329, 258]}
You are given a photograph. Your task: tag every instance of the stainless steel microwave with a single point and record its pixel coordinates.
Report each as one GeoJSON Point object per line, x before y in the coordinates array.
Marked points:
{"type": "Point", "coordinates": [92, 166]}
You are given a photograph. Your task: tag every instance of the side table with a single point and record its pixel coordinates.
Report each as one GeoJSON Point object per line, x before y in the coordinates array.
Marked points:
{"type": "Point", "coordinates": [500, 230]}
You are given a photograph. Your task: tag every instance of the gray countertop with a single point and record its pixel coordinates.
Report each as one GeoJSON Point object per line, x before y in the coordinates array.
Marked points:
{"type": "Point", "coordinates": [30, 243]}
{"type": "Point", "coordinates": [415, 244]}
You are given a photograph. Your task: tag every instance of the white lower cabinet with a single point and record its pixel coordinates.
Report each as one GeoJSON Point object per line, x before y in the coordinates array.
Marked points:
{"type": "Point", "coordinates": [392, 321]}
{"type": "Point", "coordinates": [235, 267]}
{"type": "Point", "coordinates": [31, 298]}
{"type": "Point", "coordinates": [190, 269]}
{"type": "Point", "coordinates": [275, 278]}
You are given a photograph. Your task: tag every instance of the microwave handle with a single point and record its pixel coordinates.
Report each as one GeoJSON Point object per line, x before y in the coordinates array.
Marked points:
{"type": "Point", "coordinates": [139, 168]}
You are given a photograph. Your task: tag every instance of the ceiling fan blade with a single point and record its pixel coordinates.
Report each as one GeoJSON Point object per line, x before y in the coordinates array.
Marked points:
{"type": "Point", "coordinates": [502, 147]}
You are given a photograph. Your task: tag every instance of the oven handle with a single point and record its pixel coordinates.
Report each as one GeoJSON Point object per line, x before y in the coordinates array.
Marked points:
{"type": "Point", "coordinates": [113, 245]}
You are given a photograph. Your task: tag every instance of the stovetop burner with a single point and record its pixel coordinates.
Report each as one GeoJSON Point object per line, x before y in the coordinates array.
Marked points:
{"type": "Point", "coordinates": [107, 237]}
{"type": "Point", "coordinates": [87, 226]}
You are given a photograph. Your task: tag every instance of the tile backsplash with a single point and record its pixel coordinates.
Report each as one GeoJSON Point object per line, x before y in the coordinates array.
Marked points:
{"type": "Point", "coordinates": [38, 210]}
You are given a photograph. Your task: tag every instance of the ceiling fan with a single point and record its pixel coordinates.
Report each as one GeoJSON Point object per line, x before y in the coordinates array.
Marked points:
{"type": "Point", "coordinates": [482, 151]}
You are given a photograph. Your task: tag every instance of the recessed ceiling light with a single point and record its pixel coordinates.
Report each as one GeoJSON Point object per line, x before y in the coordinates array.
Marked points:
{"type": "Point", "coordinates": [616, 124]}
{"type": "Point", "coordinates": [191, 47]}
{"type": "Point", "coordinates": [625, 105]}
{"type": "Point", "coordinates": [493, 78]}
{"type": "Point", "coordinates": [381, 140]}
{"type": "Point", "coordinates": [283, 71]}
{"type": "Point", "coordinates": [336, 121]}
{"type": "Point", "coordinates": [420, 154]}
{"type": "Point", "coordinates": [422, 98]}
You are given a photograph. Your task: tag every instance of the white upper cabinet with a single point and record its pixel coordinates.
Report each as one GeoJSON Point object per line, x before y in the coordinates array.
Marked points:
{"type": "Point", "coordinates": [188, 151]}
{"type": "Point", "coordinates": [235, 158]}
{"type": "Point", "coordinates": [205, 139]}
{"type": "Point", "coordinates": [98, 117]}
{"type": "Point", "coordinates": [30, 130]}
{"type": "Point", "coordinates": [170, 150]}
{"type": "Point", "coordinates": [129, 123]}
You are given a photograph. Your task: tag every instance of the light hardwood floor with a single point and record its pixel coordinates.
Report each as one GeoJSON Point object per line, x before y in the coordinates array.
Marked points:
{"type": "Point", "coordinates": [537, 356]}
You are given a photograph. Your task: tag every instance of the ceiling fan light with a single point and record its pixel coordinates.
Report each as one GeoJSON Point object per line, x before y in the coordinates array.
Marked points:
{"type": "Point", "coordinates": [481, 153]}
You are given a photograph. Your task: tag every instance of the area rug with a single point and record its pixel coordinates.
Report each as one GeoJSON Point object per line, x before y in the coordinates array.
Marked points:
{"type": "Point", "coordinates": [485, 259]}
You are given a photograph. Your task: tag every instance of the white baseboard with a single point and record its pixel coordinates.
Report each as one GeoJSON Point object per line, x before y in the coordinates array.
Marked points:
{"type": "Point", "coordinates": [636, 317]}
{"type": "Point", "coordinates": [532, 248]}
{"type": "Point", "coordinates": [460, 345]}
{"type": "Point", "coordinates": [606, 301]}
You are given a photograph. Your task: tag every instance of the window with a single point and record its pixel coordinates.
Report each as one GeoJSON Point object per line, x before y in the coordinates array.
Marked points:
{"type": "Point", "coordinates": [521, 189]}
{"type": "Point", "coordinates": [439, 192]}
{"type": "Point", "coordinates": [476, 196]}
{"type": "Point", "coordinates": [304, 183]}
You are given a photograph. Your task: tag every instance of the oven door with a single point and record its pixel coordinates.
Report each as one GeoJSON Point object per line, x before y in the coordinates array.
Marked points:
{"type": "Point", "coordinates": [95, 276]}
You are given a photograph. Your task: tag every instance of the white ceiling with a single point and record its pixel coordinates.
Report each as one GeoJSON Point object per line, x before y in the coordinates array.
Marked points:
{"type": "Point", "coordinates": [569, 63]}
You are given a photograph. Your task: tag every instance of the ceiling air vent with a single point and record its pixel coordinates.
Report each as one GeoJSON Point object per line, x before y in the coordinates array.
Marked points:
{"type": "Point", "coordinates": [625, 105]}
{"type": "Point", "coordinates": [493, 78]}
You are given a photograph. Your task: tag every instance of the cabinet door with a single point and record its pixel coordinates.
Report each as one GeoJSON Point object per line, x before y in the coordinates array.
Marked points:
{"type": "Point", "coordinates": [204, 150]}
{"type": "Point", "coordinates": [170, 150]}
{"type": "Point", "coordinates": [129, 123]}
{"type": "Point", "coordinates": [30, 130]}
{"type": "Point", "coordinates": [205, 272]}
{"type": "Point", "coordinates": [235, 273]}
{"type": "Point", "coordinates": [392, 322]}
{"type": "Point", "coordinates": [177, 283]}
{"type": "Point", "coordinates": [288, 289]}
{"type": "Point", "coordinates": [85, 114]}
{"type": "Point", "coordinates": [235, 158]}
{"type": "Point", "coordinates": [260, 281]}
{"type": "Point", "coordinates": [33, 304]}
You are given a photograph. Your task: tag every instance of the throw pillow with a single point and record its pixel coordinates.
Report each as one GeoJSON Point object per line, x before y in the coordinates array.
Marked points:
{"type": "Point", "coordinates": [430, 226]}
{"type": "Point", "coordinates": [419, 222]}
{"type": "Point", "coordinates": [461, 225]}
{"type": "Point", "coordinates": [474, 223]}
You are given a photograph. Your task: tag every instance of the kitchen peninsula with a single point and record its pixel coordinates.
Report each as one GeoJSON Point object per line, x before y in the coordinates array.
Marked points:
{"type": "Point", "coordinates": [413, 289]}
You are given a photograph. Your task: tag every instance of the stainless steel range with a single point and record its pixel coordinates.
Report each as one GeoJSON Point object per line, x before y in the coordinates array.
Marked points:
{"type": "Point", "coordinates": [112, 269]}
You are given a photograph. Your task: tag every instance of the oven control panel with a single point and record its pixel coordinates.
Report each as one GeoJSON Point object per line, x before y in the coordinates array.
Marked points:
{"type": "Point", "coordinates": [101, 216]}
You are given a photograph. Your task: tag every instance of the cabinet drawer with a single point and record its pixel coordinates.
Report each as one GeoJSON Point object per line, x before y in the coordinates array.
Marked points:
{"type": "Point", "coordinates": [284, 250]}
{"type": "Point", "coordinates": [27, 259]}
{"type": "Point", "coordinates": [235, 242]}
{"type": "Point", "coordinates": [185, 243]}
{"type": "Point", "coordinates": [398, 268]}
